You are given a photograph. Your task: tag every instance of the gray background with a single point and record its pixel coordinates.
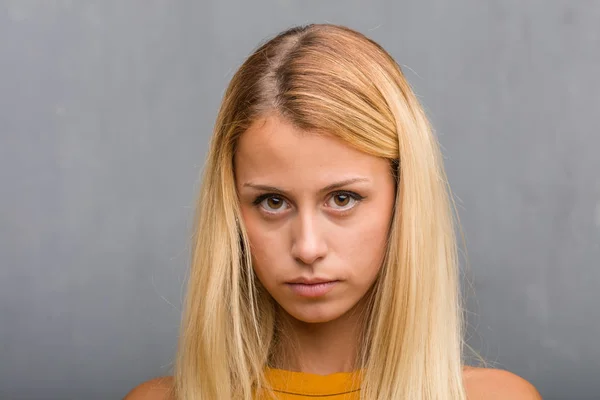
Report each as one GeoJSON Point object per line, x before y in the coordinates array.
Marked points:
{"type": "Point", "coordinates": [105, 112]}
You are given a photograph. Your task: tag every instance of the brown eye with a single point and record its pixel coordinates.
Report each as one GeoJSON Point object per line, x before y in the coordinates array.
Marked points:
{"type": "Point", "coordinates": [341, 200]}
{"type": "Point", "coordinates": [274, 203]}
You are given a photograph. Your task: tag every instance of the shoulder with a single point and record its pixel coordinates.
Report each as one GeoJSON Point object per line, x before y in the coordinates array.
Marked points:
{"type": "Point", "coordinates": [497, 384]}
{"type": "Point", "coordinates": [154, 389]}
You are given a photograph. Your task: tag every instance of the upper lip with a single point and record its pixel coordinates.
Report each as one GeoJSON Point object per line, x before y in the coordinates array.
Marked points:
{"type": "Point", "coordinates": [311, 281]}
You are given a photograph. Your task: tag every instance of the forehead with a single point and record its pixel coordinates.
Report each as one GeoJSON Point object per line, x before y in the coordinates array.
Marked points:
{"type": "Point", "coordinates": [274, 149]}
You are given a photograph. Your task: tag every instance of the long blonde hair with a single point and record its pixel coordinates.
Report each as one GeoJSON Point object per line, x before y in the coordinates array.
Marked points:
{"type": "Point", "coordinates": [327, 78]}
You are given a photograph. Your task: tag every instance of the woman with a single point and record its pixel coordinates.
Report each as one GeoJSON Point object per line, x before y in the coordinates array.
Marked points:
{"type": "Point", "coordinates": [325, 259]}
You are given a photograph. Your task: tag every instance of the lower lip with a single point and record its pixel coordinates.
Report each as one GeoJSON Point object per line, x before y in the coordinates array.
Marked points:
{"type": "Point", "coordinates": [315, 290]}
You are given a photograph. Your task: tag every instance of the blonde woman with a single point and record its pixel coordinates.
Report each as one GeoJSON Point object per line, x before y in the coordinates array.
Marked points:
{"type": "Point", "coordinates": [324, 262]}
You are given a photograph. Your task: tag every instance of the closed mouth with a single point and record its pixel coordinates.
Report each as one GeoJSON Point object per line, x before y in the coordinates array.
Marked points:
{"type": "Point", "coordinates": [312, 290]}
{"type": "Point", "coordinates": [313, 281]}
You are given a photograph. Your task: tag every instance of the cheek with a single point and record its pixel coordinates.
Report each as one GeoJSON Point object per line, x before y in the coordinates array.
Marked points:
{"type": "Point", "coordinates": [365, 248]}
{"type": "Point", "coordinates": [266, 248]}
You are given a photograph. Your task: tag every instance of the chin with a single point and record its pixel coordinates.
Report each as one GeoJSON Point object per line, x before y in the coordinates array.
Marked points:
{"type": "Point", "coordinates": [314, 313]}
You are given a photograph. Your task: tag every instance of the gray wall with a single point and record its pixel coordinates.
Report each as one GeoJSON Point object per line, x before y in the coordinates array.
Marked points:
{"type": "Point", "coordinates": [105, 112]}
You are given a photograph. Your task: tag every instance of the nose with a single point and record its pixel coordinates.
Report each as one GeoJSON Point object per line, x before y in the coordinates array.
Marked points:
{"type": "Point", "coordinates": [308, 242]}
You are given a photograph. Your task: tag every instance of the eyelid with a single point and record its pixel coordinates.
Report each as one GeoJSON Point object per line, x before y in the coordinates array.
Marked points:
{"type": "Point", "coordinates": [260, 198]}
{"type": "Point", "coordinates": [347, 192]}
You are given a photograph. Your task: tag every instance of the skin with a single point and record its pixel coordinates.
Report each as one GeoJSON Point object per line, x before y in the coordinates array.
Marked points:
{"type": "Point", "coordinates": [300, 228]}
{"type": "Point", "coordinates": [305, 228]}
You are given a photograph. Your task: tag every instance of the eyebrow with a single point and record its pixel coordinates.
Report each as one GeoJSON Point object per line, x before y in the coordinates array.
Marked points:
{"type": "Point", "coordinates": [327, 188]}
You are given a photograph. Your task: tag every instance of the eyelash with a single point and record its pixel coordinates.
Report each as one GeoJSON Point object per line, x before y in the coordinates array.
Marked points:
{"type": "Point", "coordinates": [355, 196]}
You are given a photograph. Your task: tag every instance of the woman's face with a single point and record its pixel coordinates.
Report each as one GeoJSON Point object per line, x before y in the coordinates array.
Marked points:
{"type": "Point", "coordinates": [317, 214]}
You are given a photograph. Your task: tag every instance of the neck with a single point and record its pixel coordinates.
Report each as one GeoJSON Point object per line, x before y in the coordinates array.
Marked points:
{"type": "Point", "coordinates": [320, 348]}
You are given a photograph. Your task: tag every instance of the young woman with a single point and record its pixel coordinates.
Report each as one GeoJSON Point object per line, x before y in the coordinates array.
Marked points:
{"type": "Point", "coordinates": [324, 261]}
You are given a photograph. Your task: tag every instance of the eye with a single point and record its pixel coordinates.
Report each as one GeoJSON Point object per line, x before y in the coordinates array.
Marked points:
{"type": "Point", "coordinates": [343, 201]}
{"type": "Point", "coordinates": [271, 203]}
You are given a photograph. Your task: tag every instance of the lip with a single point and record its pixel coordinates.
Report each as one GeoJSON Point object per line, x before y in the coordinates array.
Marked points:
{"type": "Point", "coordinates": [316, 288]}
{"type": "Point", "coordinates": [311, 281]}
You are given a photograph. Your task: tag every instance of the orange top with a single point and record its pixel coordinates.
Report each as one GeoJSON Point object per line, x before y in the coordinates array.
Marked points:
{"type": "Point", "coordinates": [289, 385]}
